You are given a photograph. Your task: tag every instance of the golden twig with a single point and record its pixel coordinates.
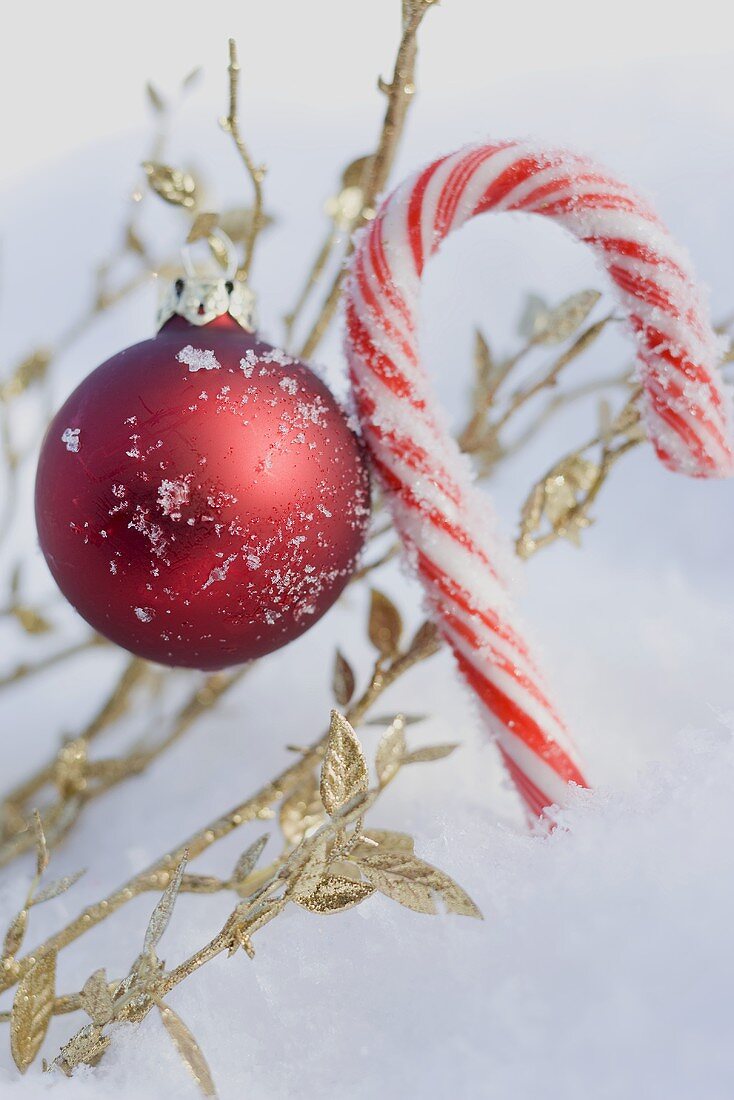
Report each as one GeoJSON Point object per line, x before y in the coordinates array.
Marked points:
{"type": "Point", "coordinates": [231, 125]}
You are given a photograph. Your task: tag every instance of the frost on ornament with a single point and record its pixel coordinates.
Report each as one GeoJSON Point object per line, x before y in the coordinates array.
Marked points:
{"type": "Point", "coordinates": [70, 438]}
{"type": "Point", "coordinates": [172, 495]}
{"type": "Point", "coordinates": [198, 359]}
{"type": "Point", "coordinates": [144, 614]}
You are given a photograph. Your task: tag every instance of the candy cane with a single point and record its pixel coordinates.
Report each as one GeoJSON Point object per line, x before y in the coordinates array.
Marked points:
{"type": "Point", "coordinates": [440, 516]}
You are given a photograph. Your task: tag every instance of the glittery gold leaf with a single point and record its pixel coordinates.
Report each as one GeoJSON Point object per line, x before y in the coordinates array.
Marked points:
{"type": "Point", "coordinates": [32, 1009]}
{"type": "Point", "coordinates": [429, 753]}
{"type": "Point", "coordinates": [86, 1048]}
{"type": "Point", "coordinates": [385, 625]}
{"type": "Point", "coordinates": [15, 934]}
{"type": "Point", "coordinates": [60, 886]}
{"type": "Point", "coordinates": [386, 840]}
{"type": "Point", "coordinates": [247, 861]}
{"type": "Point", "coordinates": [302, 811]}
{"type": "Point", "coordinates": [96, 998]}
{"type": "Point", "coordinates": [309, 871]}
{"type": "Point", "coordinates": [171, 184]}
{"type": "Point", "coordinates": [558, 497]}
{"type": "Point", "coordinates": [344, 770]}
{"type": "Point", "coordinates": [42, 856]}
{"type": "Point", "coordinates": [415, 884]}
{"type": "Point", "coordinates": [202, 226]}
{"type": "Point", "coordinates": [557, 325]}
{"type": "Point", "coordinates": [161, 915]}
{"type": "Point", "coordinates": [486, 373]}
{"type": "Point", "coordinates": [188, 1049]}
{"type": "Point", "coordinates": [342, 680]}
{"type": "Point", "coordinates": [334, 894]}
{"type": "Point", "coordinates": [390, 751]}
{"type": "Point", "coordinates": [31, 621]}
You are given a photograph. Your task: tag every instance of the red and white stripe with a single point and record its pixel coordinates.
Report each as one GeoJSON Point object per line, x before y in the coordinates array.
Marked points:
{"type": "Point", "coordinates": [440, 516]}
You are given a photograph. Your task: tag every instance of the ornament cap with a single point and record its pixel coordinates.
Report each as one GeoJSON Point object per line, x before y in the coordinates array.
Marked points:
{"type": "Point", "coordinates": [202, 298]}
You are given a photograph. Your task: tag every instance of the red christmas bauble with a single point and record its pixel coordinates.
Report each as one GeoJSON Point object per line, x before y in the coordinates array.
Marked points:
{"type": "Point", "coordinates": [200, 498]}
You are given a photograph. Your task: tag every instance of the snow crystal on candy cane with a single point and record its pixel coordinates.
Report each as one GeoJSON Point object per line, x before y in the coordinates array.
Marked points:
{"type": "Point", "coordinates": [439, 514]}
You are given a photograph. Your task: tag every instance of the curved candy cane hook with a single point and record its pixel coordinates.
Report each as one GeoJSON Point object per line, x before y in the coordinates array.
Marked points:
{"type": "Point", "coordinates": [437, 512]}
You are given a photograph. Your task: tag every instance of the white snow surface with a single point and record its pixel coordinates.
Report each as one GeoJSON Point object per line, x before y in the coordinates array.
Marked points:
{"type": "Point", "coordinates": [604, 966]}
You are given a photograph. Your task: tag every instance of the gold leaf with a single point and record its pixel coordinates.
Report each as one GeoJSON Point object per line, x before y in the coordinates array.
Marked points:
{"type": "Point", "coordinates": [344, 770]}
{"type": "Point", "coordinates": [84, 1048]}
{"type": "Point", "coordinates": [60, 886]}
{"type": "Point", "coordinates": [32, 1009]}
{"type": "Point", "coordinates": [96, 998]}
{"type": "Point", "coordinates": [188, 1049]}
{"type": "Point", "coordinates": [385, 624]}
{"type": "Point", "coordinates": [334, 894]}
{"type": "Point", "coordinates": [426, 642]}
{"type": "Point", "coordinates": [201, 884]}
{"type": "Point", "coordinates": [355, 808]}
{"type": "Point", "coordinates": [414, 884]}
{"type": "Point", "coordinates": [202, 226]}
{"type": "Point", "coordinates": [307, 874]}
{"type": "Point", "coordinates": [31, 621]}
{"type": "Point", "coordinates": [302, 811]}
{"type": "Point", "coordinates": [171, 184]}
{"type": "Point", "coordinates": [355, 172]}
{"type": "Point", "coordinates": [15, 934]}
{"type": "Point", "coordinates": [558, 324]}
{"type": "Point", "coordinates": [532, 510]}
{"type": "Point", "coordinates": [247, 861]}
{"type": "Point", "coordinates": [486, 373]}
{"type": "Point", "coordinates": [390, 751]}
{"type": "Point", "coordinates": [237, 222]}
{"type": "Point", "coordinates": [342, 680]}
{"type": "Point", "coordinates": [133, 243]}
{"type": "Point", "coordinates": [429, 753]}
{"type": "Point", "coordinates": [386, 841]}
{"type": "Point", "coordinates": [161, 915]}
{"type": "Point", "coordinates": [191, 78]}
{"type": "Point", "coordinates": [155, 98]}
{"type": "Point", "coordinates": [42, 856]}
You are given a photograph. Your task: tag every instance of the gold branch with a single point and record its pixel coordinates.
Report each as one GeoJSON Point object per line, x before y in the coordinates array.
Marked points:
{"type": "Point", "coordinates": [231, 126]}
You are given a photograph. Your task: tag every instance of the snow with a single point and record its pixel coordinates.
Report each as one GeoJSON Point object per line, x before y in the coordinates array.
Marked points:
{"type": "Point", "coordinates": [198, 358]}
{"type": "Point", "coordinates": [70, 438]}
{"type": "Point", "coordinates": [603, 967]}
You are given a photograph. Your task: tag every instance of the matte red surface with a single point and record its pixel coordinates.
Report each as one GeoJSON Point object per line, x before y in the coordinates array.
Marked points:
{"type": "Point", "coordinates": [208, 516]}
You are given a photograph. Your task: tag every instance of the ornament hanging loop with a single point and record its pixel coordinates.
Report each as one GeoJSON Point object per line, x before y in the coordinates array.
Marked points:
{"type": "Point", "coordinates": [229, 249]}
{"type": "Point", "coordinates": [201, 298]}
